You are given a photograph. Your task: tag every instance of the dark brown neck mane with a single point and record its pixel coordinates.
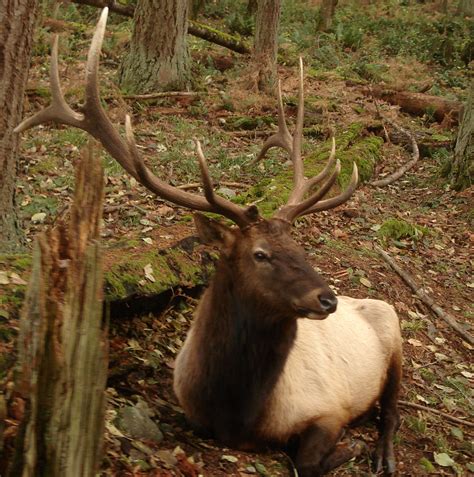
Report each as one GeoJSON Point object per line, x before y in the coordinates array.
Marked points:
{"type": "Point", "coordinates": [242, 347]}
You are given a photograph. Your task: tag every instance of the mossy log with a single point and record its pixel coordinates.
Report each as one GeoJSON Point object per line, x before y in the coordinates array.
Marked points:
{"type": "Point", "coordinates": [419, 104]}
{"type": "Point", "coordinates": [352, 144]}
{"type": "Point", "coordinates": [63, 350]}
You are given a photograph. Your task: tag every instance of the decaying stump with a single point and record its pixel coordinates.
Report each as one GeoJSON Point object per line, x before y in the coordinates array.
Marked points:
{"type": "Point", "coordinates": [63, 344]}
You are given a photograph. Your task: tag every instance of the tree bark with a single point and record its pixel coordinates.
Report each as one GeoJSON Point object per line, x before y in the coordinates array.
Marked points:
{"type": "Point", "coordinates": [266, 43]}
{"type": "Point", "coordinates": [17, 21]}
{"type": "Point", "coordinates": [326, 14]}
{"type": "Point", "coordinates": [466, 7]}
{"type": "Point", "coordinates": [158, 56]}
{"type": "Point", "coordinates": [462, 171]}
{"type": "Point", "coordinates": [63, 343]}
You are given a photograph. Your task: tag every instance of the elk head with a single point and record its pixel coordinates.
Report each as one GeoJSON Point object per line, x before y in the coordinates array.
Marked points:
{"type": "Point", "coordinates": [261, 251]}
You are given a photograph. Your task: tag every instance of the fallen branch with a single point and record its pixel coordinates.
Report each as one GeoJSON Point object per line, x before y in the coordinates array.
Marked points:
{"type": "Point", "coordinates": [163, 94]}
{"type": "Point", "coordinates": [196, 185]}
{"type": "Point", "coordinates": [447, 416]}
{"type": "Point", "coordinates": [425, 298]}
{"type": "Point", "coordinates": [194, 28]}
{"type": "Point", "coordinates": [407, 166]}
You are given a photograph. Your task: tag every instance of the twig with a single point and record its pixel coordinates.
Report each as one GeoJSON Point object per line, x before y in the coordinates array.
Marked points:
{"type": "Point", "coordinates": [196, 185]}
{"type": "Point", "coordinates": [164, 94]}
{"type": "Point", "coordinates": [408, 165]}
{"type": "Point", "coordinates": [425, 298]}
{"type": "Point", "coordinates": [455, 419]}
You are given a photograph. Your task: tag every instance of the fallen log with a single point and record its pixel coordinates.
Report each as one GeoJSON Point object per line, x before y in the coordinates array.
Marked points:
{"type": "Point", "coordinates": [196, 29]}
{"type": "Point", "coordinates": [418, 104]}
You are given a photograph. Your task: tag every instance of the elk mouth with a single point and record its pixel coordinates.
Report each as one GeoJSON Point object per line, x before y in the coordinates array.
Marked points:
{"type": "Point", "coordinates": [311, 314]}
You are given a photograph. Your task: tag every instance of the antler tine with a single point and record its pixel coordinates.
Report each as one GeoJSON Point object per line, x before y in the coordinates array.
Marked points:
{"type": "Point", "coordinates": [282, 138]}
{"type": "Point", "coordinates": [155, 185]}
{"type": "Point", "coordinates": [92, 66]}
{"type": "Point", "coordinates": [310, 183]}
{"type": "Point", "coordinates": [59, 110]}
{"type": "Point", "coordinates": [291, 212]}
{"type": "Point", "coordinates": [298, 168]}
{"type": "Point", "coordinates": [339, 199]}
{"type": "Point", "coordinates": [219, 204]}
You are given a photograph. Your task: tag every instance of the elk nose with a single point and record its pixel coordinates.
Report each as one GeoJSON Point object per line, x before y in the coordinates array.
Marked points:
{"type": "Point", "coordinates": [328, 302]}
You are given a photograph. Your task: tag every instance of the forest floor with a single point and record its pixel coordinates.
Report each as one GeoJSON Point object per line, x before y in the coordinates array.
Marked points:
{"type": "Point", "coordinates": [423, 224]}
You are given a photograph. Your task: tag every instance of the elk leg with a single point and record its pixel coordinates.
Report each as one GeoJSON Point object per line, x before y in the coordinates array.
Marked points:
{"type": "Point", "coordinates": [389, 419]}
{"type": "Point", "coordinates": [318, 451]}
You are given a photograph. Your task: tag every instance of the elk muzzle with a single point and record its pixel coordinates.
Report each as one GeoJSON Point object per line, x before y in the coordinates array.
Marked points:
{"type": "Point", "coordinates": [316, 304]}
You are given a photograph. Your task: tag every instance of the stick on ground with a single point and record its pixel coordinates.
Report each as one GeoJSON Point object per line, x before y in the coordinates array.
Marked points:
{"type": "Point", "coordinates": [447, 416]}
{"type": "Point", "coordinates": [408, 165]}
{"type": "Point", "coordinates": [425, 298]}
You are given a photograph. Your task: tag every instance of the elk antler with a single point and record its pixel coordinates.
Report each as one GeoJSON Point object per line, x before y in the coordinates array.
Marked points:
{"type": "Point", "coordinates": [95, 121]}
{"type": "Point", "coordinates": [297, 205]}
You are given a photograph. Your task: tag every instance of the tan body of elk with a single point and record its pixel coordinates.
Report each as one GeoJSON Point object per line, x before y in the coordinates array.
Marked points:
{"type": "Point", "coordinates": [272, 356]}
{"type": "Point", "coordinates": [254, 370]}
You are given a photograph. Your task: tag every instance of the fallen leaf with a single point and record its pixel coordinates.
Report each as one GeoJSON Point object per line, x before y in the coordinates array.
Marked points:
{"type": "Point", "coordinates": [4, 280]}
{"type": "Point", "coordinates": [422, 399]}
{"type": "Point", "coordinates": [148, 240]}
{"type": "Point", "coordinates": [229, 458]}
{"type": "Point", "coordinates": [415, 342]}
{"type": "Point", "coordinates": [148, 269]}
{"type": "Point", "coordinates": [443, 459]}
{"type": "Point", "coordinates": [365, 282]}
{"type": "Point", "coordinates": [38, 218]}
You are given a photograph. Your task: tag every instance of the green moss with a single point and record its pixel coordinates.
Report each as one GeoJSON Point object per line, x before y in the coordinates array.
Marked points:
{"type": "Point", "coordinates": [45, 165]}
{"type": "Point", "coordinates": [401, 229]}
{"type": "Point", "coordinates": [170, 268]}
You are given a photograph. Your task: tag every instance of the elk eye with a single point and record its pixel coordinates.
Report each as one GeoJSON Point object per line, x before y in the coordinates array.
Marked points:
{"type": "Point", "coordinates": [260, 256]}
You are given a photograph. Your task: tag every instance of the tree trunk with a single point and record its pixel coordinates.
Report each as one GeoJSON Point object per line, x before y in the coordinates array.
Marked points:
{"type": "Point", "coordinates": [158, 56]}
{"type": "Point", "coordinates": [195, 8]}
{"type": "Point", "coordinates": [326, 14]}
{"type": "Point", "coordinates": [266, 43]}
{"type": "Point", "coordinates": [466, 7]}
{"type": "Point", "coordinates": [462, 171]}
{"type": "Point", "coordinates": [252, 7]}
{"type": "Point", "coordinates": [63, 343]}
{"type": "Point", "coordinates": [17, 21]}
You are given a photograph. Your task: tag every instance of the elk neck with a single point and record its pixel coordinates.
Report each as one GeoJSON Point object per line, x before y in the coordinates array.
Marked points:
{"type": "Point", "coordinates": [243, 345]}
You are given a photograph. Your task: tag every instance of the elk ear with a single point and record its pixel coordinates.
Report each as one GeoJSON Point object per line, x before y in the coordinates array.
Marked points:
{"type": "Point", "coordinates": [212, 232]}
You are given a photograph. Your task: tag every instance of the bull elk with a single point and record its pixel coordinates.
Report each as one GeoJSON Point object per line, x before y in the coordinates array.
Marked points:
{"type": "Point", "coordinates": [273, 357]}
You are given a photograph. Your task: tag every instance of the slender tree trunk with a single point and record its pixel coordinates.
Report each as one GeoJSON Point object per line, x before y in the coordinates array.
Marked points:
{"type": "Point", "coordinates": [195, 8]}
{"type": "Point", "coordinates": [17, 21]}
{"type": "Point", "coordinates": [466, 7]}
{"type": "Point", "coordinates": [326, 14]}
{"type": "Point", "coordinates": [158, 57]}
{"type": "Point", "coordinates": [63, 347]}
{"type": "Point", "coordinates": [266, 43]}
{"type": "Point", "coordinates": [462, 171]}
{"type": "Point", "coordinates": [252, 7]}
